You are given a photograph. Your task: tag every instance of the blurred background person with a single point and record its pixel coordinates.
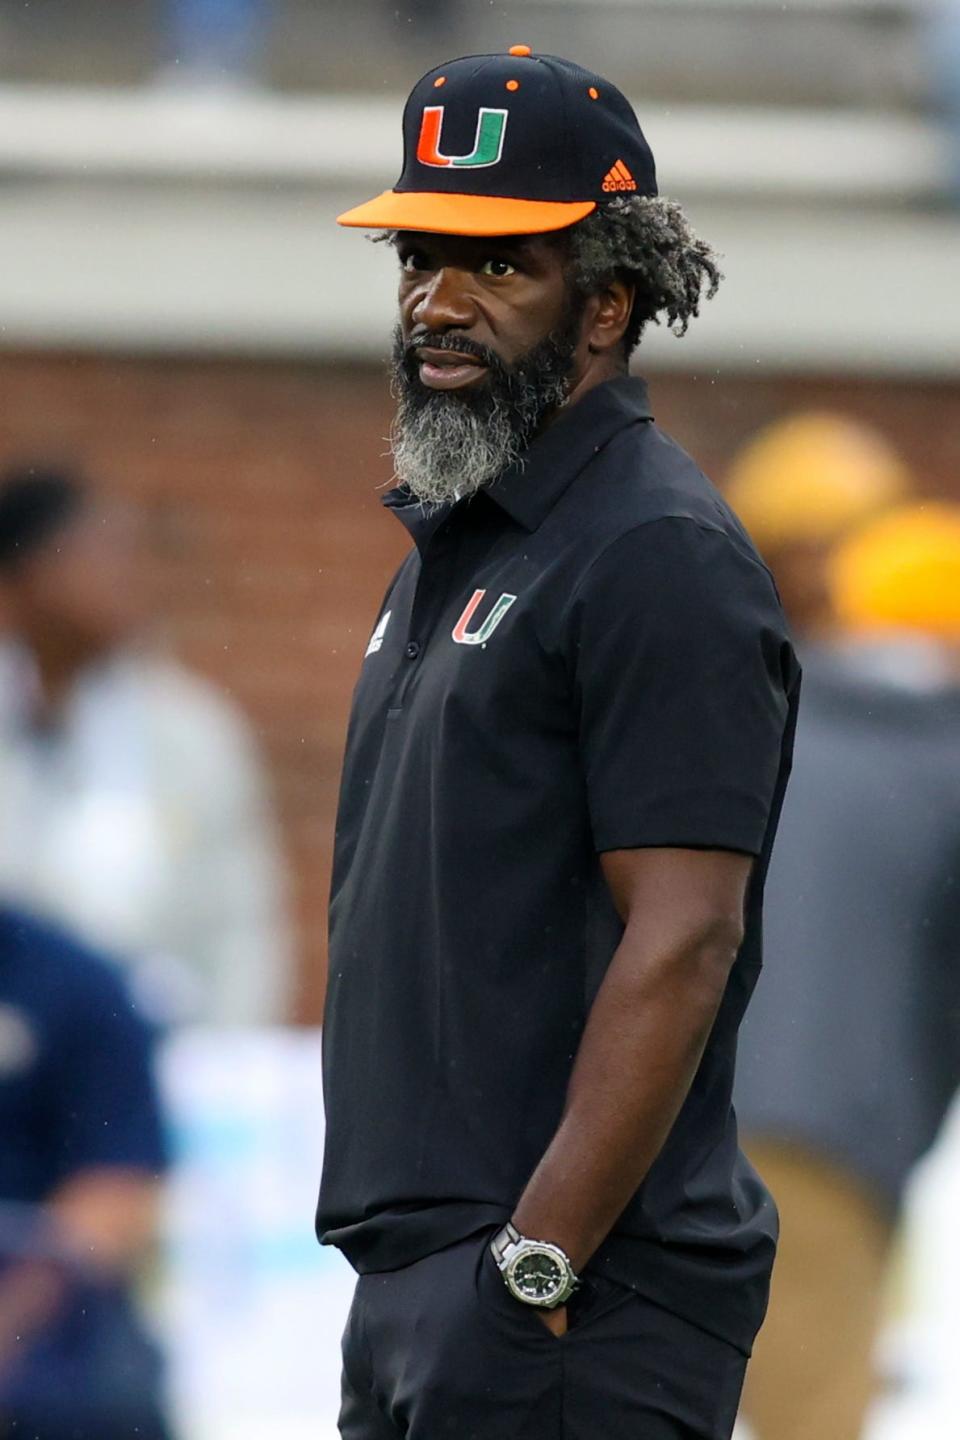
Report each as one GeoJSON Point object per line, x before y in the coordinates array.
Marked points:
{"type": "Point", "coordinates": [799, 486]}
{"type": "Point", "coordinates": [132, 804]}
{"type": "Point", "coordinates": [943, 47]}
{"type": "Point", "coordinates": [82, 1150]}
{"type": "Point", "coordinates": [895, 589]}
{"type": "Point", "coordinates": [216, 43]}
{"type": "Point", "coordinates": [420, 24]}
{"type": "Point", "coordinates": [851, 1055]}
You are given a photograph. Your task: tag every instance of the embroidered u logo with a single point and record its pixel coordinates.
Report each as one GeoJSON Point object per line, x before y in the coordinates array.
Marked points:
{"type": "Point", "coordinates": [487, 145]}
{"type": "Point", "coordinates": [463, 636]}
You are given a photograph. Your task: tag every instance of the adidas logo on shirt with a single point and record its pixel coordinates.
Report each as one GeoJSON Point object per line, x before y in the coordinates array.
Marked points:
{"type": "Point", "coordinates": [376, 639]}
{"type": "Point", "coordinates": [618, 177]}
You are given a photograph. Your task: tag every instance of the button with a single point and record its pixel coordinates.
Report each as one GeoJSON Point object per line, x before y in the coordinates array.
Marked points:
{"type": "Point", "coordinates": [519, 50]}
{"type": "Point", "coordinates": [413, 649]}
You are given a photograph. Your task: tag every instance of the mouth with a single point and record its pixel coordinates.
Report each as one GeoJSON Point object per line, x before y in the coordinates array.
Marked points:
{"type": "Point", "coordinates": [449, 369]}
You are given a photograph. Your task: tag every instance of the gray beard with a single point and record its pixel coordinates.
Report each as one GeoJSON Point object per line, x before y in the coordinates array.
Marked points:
{"type": "Point", "coordinates": [449, 445]}
{"type": "Point", "coordinates": [446, 450]}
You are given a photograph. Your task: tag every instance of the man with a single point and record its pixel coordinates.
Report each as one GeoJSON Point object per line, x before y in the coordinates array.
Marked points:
{"type": "Point", "coordinates": [132, 802]}
{"type": "Point", "coordinates": [844, 1072]}
{"type": "Point", "coordinates": [215, 43]}
{"type": "Point", "coordinates": [799, 486]}
{"type": "Point", "coordinates": [850, 1056]}
{"type": "Point", "coordinates": [82, 1147]}
{"type": "Point", "coordinates": [568, 748]}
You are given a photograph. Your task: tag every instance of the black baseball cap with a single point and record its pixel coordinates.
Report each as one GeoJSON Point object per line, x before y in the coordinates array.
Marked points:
{"type": "Point", "coordinates": [511, 144]}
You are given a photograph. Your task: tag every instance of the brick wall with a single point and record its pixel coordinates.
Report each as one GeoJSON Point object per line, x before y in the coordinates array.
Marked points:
{"type": "Point", "coordinates": [263, 477]}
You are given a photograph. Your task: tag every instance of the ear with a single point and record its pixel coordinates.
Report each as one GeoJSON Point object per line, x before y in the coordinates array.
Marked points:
{"type": "Point", "coordinates": [610, 310]}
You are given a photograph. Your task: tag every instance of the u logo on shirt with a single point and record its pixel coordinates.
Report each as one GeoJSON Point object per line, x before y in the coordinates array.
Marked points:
{"type": "Point", "coordinates": [463, 636]}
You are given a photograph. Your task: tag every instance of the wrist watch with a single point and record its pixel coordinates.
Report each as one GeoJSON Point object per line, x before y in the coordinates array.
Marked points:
{"type": "Point", "coordinates": [534, 1271]}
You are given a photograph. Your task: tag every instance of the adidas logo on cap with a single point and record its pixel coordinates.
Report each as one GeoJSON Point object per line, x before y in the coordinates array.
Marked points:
{"type": "Point", "coordinates": [618, 177]}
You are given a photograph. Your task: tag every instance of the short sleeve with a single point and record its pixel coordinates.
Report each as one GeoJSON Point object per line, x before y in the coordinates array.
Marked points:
{"type": "Point", "coordinates": [108, 1110]}
{"type": "Point", "coordinates": [683, 678]}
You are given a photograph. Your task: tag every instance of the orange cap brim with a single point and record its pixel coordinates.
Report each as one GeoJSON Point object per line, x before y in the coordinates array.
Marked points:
{"type": "Point", "coordinates": [446, 214]}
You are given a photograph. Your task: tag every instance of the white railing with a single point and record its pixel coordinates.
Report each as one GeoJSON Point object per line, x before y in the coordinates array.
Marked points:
{"type": "Point", "coordinates": [843, 155]}
{"type": "Point", "coordinates": [786, 7]}
{"type": "Point", "coordinates": [207, 224]}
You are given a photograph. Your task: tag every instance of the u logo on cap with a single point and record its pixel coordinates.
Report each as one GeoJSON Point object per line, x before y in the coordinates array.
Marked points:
{"type": "Point", "coordinates": [487, 146]}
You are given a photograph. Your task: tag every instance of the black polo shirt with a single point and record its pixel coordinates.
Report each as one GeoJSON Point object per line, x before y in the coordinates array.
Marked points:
{"type": "Point", "coordinates": [587, 656]}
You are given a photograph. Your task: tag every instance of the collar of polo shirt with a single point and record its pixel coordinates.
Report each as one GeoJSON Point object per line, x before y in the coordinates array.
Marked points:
{"type": "Point", "coordinates": [529, 489]}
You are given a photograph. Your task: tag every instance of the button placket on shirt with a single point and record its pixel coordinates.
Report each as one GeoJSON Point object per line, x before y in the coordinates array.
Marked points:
{"type": "Point", "coordinates": [438, 568]}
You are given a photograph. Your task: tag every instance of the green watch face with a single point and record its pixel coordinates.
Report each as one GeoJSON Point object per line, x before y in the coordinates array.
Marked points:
{"type": "Point", "coordinates": [537, 1276]}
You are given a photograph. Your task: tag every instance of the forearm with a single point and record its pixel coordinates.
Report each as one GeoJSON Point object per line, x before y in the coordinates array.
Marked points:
{"type": "Point", "coordinates": [639, 1053]}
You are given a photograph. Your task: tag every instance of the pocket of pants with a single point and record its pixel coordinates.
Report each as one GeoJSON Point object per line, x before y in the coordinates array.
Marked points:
{"type": "Point", "coordinates": [597, 1298]}
{"type": "Point", "coordinates": [498, 1307]}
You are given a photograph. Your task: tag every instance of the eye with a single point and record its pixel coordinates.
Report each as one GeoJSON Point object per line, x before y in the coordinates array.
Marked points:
{"type": "Point", "coordinates": [412, 260]}
{"type": "Point", "coordinates": [499, 269]}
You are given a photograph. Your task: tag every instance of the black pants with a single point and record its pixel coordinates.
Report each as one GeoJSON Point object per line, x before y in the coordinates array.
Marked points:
{"type": "Point", "coordinates": [441, 1349]}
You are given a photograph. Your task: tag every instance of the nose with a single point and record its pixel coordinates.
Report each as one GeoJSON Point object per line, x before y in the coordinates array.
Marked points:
{"type": "Point", "coordinates": [445, 303]}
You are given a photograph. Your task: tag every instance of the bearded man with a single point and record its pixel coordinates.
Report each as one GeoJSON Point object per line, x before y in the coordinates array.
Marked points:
{"type": "Point", "coordinates": [568, 750]}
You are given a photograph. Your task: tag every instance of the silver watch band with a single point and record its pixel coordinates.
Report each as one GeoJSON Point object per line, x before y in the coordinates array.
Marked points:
{"type": "Point", "coordinates": [502, 1241]}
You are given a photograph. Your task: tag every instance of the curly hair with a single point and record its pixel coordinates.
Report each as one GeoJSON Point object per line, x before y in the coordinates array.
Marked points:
{"type": "Point", "coordinates": [647, 241]}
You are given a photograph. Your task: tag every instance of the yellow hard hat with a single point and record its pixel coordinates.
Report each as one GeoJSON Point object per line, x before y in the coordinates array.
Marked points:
{"type": "Point", "coordinates": [812, 476]}
{"type": "Point", "coordinates": [901, 571]}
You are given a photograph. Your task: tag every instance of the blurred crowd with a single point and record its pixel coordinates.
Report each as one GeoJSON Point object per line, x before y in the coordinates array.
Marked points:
{"type": "Point", "coordinates": [850, 1052]}
{"type": "Point", "coordinates": [142, 889]}
{"type": "Point", "coordinates": [225, 42]}
{"type": "Point", "coordinates": [133, 807]}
